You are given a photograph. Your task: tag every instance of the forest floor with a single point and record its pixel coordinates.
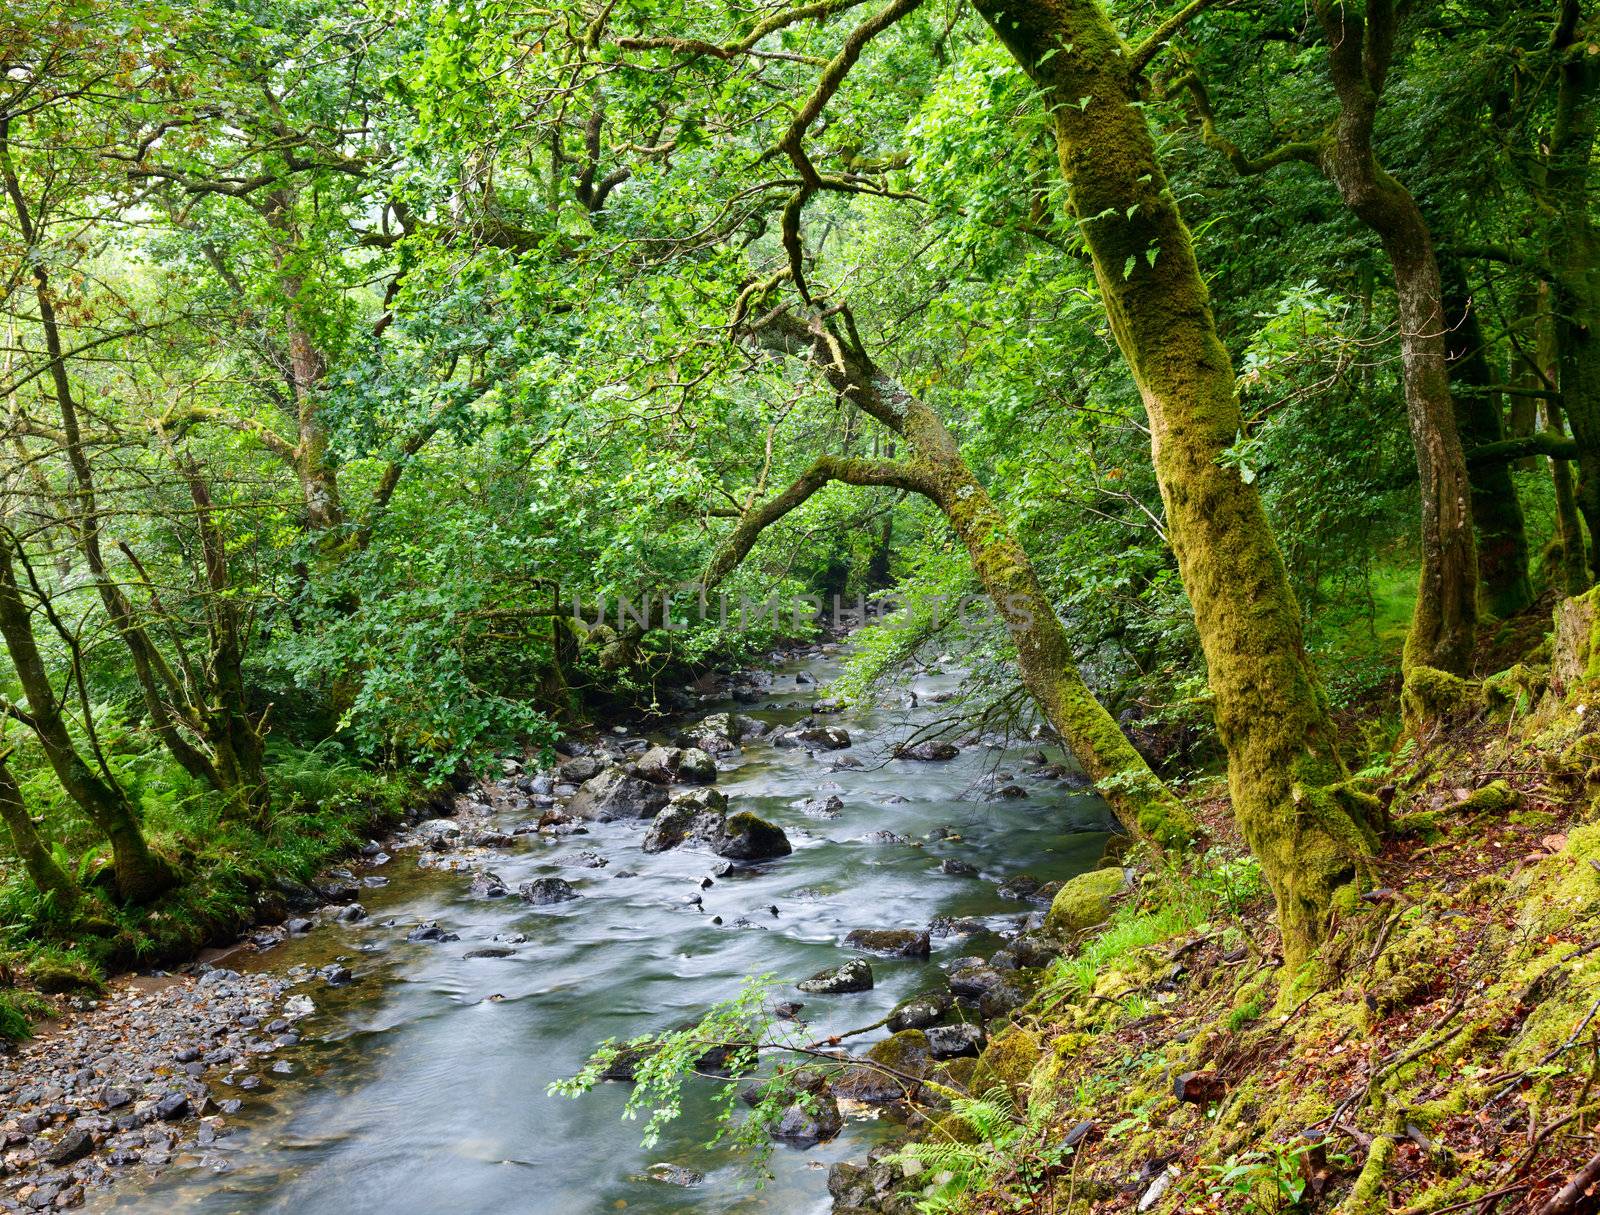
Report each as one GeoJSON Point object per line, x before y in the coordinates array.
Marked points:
{"type": "Point", "coordinates": [1443, 1053]}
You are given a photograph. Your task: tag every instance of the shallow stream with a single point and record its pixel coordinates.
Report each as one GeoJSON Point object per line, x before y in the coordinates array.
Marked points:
{"type": "Point", "coordinates": [420, 1088]}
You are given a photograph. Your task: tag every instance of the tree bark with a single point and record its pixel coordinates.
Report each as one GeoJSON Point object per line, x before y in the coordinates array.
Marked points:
{"type": "Point", "coordinates": [141, 875]}
{"type": "Point", "coordinates": [937, 471]}
{"type": "Point", "coordinates": [41, 866]}
{"type": "Point", "coordinates": [1444, 621]}
{"type": "Point", "coordinates": [1573, 250]}
{"type": "Point", "coordinates": [1284, 770]}
{"type": "Point", "coordinates": [1502, 538]}
{"type": "Point", "coordinates": [313, 464]}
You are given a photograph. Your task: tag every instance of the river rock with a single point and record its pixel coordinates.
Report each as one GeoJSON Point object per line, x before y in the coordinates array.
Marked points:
{"type": "Point", "coordinates": [580, 769]}
{"type": "Point", "coordinates": [430, 932]}
{"type": "Point", "coordinates": [974, 981]}
{"type": "Point", "coordinates": [74, 1145]}
{"type": "Point", "coordinates": [674, 1174]}
{"type": "Point", "coordinates": [817, 807]}
{"type": "Point", "coordinates": [892, 942]}
{"type": "Point", "coordinates": [920, 1011]}
{"type": "Point", "coordinates": [854, 975]}
{"type": "Point", "coordinates": [828, 738]}
{"type": "Point", "coordinates": [687, 820]}
{"type": "Point", "coordinates": [721, 732]}
{"type": "Point", "coordinates": [583, 860]}
{"type": "Point", "coordinates": [954, 1041]}
{"type": "Point", "coordinates": [748, 837]}
{"type": "Point", "coordinates": [487, 885]}
{"type": "Point", "coordinates": [543, 891]}
{"type": "Point", "coordinates": [894, 1069]}
{"type": "Point", "coordinates": [437, 831]}
{"type": "Point", "coordinates": [928, 749]}
{"type": "Point", "coordinates": [957, 868]}
{"type": "Point", "coordinates": [613, 794]}
{"type": "Point", "coordinates": [811, 1120]}
{"type": "Point", "coordinates": [658, 765]}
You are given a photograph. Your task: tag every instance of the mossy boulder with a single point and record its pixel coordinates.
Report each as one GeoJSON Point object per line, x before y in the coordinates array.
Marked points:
{"type": "Point", "coordinates": [1495, 797]}
{"type": "Point", "coordinates": [1007, 1062]}
{"type": "Point", "coordinates": [1518, 687]}
{"type": "Point", "coordinates": [749, 837]}
{"type": "Point", "coordinates": [1085, 901]}
{"type": "Point", "coordinates": [55, 976]}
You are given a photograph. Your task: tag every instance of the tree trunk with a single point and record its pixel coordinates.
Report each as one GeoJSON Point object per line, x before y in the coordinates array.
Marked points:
{"type": "Point", "coordinates": [1573, 250]}
{"type": "Point", "coordinates": [48, 876]}
{"type": "Point", "coordinates": [1502, 537]}
{"type": "Point", "coordinates": [140, 874]}
{"type": "Point", "coordinates": [1444, 621]}
{"type": "Point", "coordinates": [313, 465]}
{"type": "Point", "coordinates": [1284, 770]}
{"type": "Point", "coordinates": [937, 470]}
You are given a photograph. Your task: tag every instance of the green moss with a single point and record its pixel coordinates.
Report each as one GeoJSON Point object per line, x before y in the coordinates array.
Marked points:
{"type": "Point", "coordinates": [1084, 902]}
{"type": "Point", "coordinates": [1495, 797]}
{"type": "Point", "coordinates": [1008, 1062]}
{"type": "Point", "coordinates": [1518, 687]}
{"type": "Point", "coordinates": [1432, 695]}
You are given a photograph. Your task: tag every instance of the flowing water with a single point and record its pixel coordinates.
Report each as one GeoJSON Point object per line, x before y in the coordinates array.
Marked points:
{"type": "Point", "coordinates": [416, 1092]}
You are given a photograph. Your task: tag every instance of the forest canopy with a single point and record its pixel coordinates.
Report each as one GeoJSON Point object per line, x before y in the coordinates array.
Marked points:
{"type": "Point", "coordinates": [1241, 355]}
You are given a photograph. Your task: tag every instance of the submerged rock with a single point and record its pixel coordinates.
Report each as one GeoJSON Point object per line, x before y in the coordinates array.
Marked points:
{"type": "Point", "coordinates": [817, 807]}
{"type": "Point", "coordinates": [583, 860]}
{"type": "Point", "coordinates": [855, 975]}
{"type": "Point", "coordinates": [674, 1174]}
{"type": "Point", "coordinates": [929, 749]}
{"type": "Point", "coordinates": [542, 891]}
{"type": "Point", "coordinates": [893, 942]}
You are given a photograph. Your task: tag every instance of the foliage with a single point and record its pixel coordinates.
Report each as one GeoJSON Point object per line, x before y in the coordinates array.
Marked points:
{"type": "Point", "coordinates": [1009, 1158]}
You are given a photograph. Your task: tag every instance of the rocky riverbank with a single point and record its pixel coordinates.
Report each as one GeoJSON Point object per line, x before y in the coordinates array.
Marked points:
{"type": "Point", "coordinates": [152, 1073]}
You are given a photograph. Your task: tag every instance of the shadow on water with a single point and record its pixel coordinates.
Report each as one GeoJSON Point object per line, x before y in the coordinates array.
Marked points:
{"type": "Point", "coordinates": [421, 1087]}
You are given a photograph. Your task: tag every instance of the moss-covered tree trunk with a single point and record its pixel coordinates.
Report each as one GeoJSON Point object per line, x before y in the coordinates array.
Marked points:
{"type": "Point", "coordinates": [1444, 621]}
{"type": "Point", "coordinates": [936, 469]}
{"type": "Point", "coordinates": [1270, 711]}
{"type": "Point", "coordinates": [140, 874]}
{"type": "Point", "coordinates": [1497, 518]}
{"type": "Point", "coordinates": [42, 869]}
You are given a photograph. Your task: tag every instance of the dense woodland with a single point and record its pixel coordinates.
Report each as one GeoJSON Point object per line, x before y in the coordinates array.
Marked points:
{"type": "Point", "coordinates": [1242, 355]}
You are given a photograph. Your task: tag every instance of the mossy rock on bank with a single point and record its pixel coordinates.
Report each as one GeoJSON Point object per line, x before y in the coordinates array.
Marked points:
{"type": "Point", "coordinates": [1085, 901]}
{"type": "Point", "coordinates": [1007, 1062]}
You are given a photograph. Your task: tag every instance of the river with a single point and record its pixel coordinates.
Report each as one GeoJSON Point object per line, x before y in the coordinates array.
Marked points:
{"type": "Point", "coordinates": [421, 1087]}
